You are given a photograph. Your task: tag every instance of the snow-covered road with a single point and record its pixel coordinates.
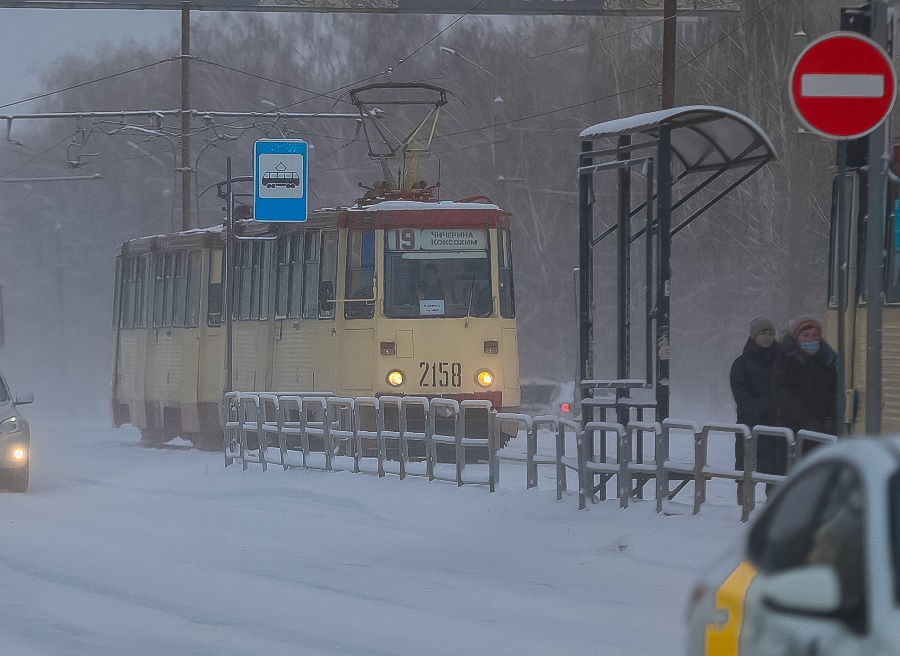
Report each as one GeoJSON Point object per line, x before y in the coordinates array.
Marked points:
{"type": "Point", "coordinates": [119, 550]}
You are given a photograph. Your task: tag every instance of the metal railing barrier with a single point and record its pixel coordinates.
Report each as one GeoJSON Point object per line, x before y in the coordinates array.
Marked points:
{"type": "Point", "coordinates": [388, 428]}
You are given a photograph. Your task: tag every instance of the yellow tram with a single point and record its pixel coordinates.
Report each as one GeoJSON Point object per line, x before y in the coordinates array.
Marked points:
{"type": "Point", "coordinates": [399, 294]}
{"type": "Point", "coordinates": [854, 317]}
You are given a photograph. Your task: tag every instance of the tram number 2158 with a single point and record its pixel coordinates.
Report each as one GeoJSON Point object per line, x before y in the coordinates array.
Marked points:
{"type": "Point", "coordinates": [440, 374]}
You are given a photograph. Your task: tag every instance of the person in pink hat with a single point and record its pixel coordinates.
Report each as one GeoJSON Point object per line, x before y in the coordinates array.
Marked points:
{"type": "Point", "coordinates": [804, 380]}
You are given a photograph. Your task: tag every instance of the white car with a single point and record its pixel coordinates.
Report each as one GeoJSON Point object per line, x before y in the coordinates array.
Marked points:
{"type": "Point", "coordinates": [819, 571]}
{"type": "Point", "coordinates": [15, 441]}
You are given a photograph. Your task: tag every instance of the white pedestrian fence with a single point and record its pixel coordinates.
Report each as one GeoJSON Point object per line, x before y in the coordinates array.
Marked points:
{"type": "Point", "coordinates": [430, 438]}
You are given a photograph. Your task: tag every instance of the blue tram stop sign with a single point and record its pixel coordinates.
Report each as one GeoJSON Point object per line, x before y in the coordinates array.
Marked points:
{"type": "Point", "coordinates": [279, 180]}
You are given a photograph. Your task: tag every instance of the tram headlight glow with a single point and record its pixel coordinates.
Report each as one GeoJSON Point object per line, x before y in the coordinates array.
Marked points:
{"type": "Point", "coordinates": [18, 454]}
{"type": "Point", "coordinates": [395, 378]}
{"type": "Point", "coordinates": [484, 377]}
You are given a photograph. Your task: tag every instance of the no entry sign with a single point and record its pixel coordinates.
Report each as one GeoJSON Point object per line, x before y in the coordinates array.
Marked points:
{"type": "Point", "coordinates": [843, 85]}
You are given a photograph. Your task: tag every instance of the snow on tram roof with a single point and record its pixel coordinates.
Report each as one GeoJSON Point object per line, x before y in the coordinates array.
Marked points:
{"type": "Point", "coordinates": [395, 205]}
{"type": "Point", "coordinates": [193, 231]}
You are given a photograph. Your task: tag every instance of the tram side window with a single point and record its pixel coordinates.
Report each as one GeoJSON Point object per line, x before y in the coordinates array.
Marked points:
{"type": "Point", "coordinates": [328, 274]}
{"type": "Point", "coordinates": [117, 295]}
{"type": "Point", "coordinates": [507, 289]}
{"type": "Point", "coordinates": [179, 298]}
{"type": "Point", "coordinates": [360, 277]}
{"type": "Point", "coordinates": [214, 289]}
{"type": "Point", "coordinates": [311, 275]}
{"type": "Point", "coordinates": [176, 289]}
{"type": "Point", "coordinates": [138, 297]}
{"type": "Point", "coordinates": [192, 306]}
{"type": "Point", "coordinates": [163, 288]}
{"type": "Point", "coordinates": [289, 277]}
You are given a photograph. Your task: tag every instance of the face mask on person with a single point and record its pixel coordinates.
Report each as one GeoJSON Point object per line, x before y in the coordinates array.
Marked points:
{"type": "Point", "coordinates": [810, 347]}
{"type": "Point", "coordinates": [765, 338]}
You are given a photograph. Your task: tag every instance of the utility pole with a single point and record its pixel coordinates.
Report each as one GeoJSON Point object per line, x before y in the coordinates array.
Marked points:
{"type": "Point", "coordinates": [185, 116]}
{"type": "Point", "coordinates": [670, 13]}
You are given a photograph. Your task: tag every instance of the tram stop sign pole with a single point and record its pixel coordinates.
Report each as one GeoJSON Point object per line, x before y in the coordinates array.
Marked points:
{"type": "Point", "coordinates": [843, 86]}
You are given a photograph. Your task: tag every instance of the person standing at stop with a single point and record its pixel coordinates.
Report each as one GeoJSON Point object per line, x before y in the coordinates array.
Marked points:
{"type": "Point", "coordinates": [804, 380]}
{"type": "Point", "coordinates": [751, 386]}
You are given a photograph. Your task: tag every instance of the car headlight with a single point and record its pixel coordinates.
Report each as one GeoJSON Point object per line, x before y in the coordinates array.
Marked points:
{"type": "Point", "coordinates": [12, 425]}
{"type": "Point", "coordinates": [484, 377]}
{"type": "Point", "coordinates": [395, 378]}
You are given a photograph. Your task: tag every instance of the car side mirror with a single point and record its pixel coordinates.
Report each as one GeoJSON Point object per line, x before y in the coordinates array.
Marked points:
{"type": "Point", "coordinates": [24, 399]}
{"type": "Point", "coordinates": [326, 296]}
{"type": "Point", "coordinates": [815, 589]}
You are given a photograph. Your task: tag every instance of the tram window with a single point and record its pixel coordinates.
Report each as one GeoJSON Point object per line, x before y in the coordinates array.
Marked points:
{"type": "Point", "coordinates": [424, 278]}
{"type": "Point", "coordinates": [289, 276]}
{"type": "Point", "coordinates": [282, 275]}
{"type": "Point", "coordinates": [295, 294]}
{"type": "Point", "coordinates": [179, 297]}
{"type": "Point", "coordinates": [192, 309]}
{"type": "Point", "coordinates": [214, 289]}
{"type": "Point", "coordinates": [360, 278]}
{"type": "Point", "coordinates": [256, 281]}
{"type": "Point", "coordinates": [138, 295]}
{"type": "Point", "coordinates": [117, 294]}
{"type": "Point", "coordinates": [328, 272]}
{"type": "Point", "coordinates": [507, 289]}
{"type": "Point", "coordinates": [265, 281]}
{"type": "Point", "coordinates": [169, 297]}
{"type": "Point", "coordinates": [311, 275]}
{"type": "Point", "coordinates": [159, 290]}
{"type": "Point", "coordinates": [259, 287]}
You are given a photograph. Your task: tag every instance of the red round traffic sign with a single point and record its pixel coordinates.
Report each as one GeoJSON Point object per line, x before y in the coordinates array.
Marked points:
{"type": "Point", "coordinates": [843, 85]}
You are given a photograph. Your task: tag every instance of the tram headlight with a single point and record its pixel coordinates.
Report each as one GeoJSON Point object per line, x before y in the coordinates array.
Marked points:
{"type": "Point", "coordinates": [19, 453]}
{"type": "Point", "coordinates": [395, 378]}
{"type": "Point", "coordinates": [484, 377]}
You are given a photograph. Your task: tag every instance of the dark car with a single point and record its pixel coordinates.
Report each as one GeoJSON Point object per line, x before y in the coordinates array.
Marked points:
{"type": "Point", "coordinates": [15, 441]}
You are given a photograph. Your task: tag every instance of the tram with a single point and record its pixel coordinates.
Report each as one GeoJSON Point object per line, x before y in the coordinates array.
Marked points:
{"type": "Point", "coordinates": [399, 294]}
{"type": "Point", "coordinates": [854, 316]}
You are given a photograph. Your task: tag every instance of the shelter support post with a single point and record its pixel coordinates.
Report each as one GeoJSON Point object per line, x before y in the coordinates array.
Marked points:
{"type": "Point", "coordinates": [585, 274]}
{"type": "Point", "coordinates": [623, 280]}
{"type": "Point", "coordinates": [664, 270]}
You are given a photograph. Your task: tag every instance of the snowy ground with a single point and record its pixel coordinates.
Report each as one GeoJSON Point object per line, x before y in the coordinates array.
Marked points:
{"type": "Point", "coordinates": [121, 550]}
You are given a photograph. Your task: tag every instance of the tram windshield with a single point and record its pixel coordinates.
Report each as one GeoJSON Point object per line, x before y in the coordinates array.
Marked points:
{"type": "Point", "coordinates": [437, 273]}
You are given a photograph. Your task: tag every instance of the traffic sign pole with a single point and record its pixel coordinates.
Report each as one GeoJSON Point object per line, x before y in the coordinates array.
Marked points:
{"type": "Point", "coordinates": [878, 153]}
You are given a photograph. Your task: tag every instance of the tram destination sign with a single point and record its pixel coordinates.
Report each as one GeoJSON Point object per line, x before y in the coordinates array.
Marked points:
{"type": "Point", "coordinates": [280, 172]}
{"type": "Point", "coordinates": [843, 86]}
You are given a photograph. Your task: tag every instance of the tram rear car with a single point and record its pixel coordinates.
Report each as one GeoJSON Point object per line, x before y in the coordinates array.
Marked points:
{"type": "Point", "coordinates": [399, 297]}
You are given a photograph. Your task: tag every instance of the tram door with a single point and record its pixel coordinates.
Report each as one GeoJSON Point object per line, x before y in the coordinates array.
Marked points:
{"type": "Point", "coordinates": [302, 355]}
{"type": "Point", "coordinates": [250, 303]}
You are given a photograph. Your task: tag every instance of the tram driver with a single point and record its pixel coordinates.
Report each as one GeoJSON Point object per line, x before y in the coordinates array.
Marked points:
{"type": "Point", "coordinates": [431, 286]}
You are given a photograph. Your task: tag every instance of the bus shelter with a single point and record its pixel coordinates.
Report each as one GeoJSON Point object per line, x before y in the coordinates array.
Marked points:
{"type": "Point", "coordinates": [679, 153]}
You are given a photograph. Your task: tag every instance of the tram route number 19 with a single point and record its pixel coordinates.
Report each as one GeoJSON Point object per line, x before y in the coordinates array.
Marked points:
{"type": "Point", "coordinates": [440, 374]}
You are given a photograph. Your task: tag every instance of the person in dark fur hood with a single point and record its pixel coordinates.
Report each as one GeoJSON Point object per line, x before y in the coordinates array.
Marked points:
{"type": "Point", "coordinates": [751, 386]}
{"type": "Point", "coordinates": [804, 380]}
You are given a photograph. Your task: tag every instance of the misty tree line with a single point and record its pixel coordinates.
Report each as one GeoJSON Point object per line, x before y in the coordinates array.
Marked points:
{"type": "Point", "coordinates": [536, 82]}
